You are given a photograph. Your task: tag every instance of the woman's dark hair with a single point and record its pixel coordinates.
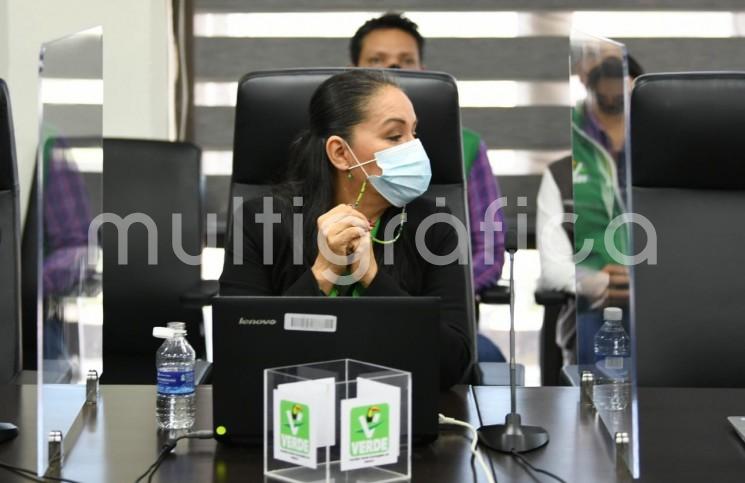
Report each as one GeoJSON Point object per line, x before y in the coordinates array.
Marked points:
{"type": "Point", "coordinates": [337, 105]}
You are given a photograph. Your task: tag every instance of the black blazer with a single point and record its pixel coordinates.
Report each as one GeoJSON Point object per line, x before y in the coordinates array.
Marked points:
{"type": "Point", "coordinates": [409, 274]}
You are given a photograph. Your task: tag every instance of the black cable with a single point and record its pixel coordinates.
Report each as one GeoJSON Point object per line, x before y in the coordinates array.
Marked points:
{"type": "Point", "coordinates": [54, 478]}
{"type": "Point", "coordinates": [31, 475]}
{"type": "Point", "coordinates": [161, 456]}
{"type": "Point", "coordinates": [523, 460]}
{"type": "Point", "coordinates": [169, 446]}
{"type": "Point", "coordinates": [21, 472]}
{"type": "Point", "coordinates": [156, 465]}
{"type": "Point", "coordinates": [514, 453]}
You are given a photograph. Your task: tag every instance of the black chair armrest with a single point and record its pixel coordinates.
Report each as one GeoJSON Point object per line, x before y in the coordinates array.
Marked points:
{"type": "Point", "coordinates": [200, 295]}
{"type": "Point", "coordinates": [496, 295]}
{"type": "Point", "coordinates": [551, 297]}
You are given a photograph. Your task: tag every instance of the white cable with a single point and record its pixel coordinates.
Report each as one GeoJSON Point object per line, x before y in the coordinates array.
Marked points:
{"type": "Point", "coordinates": [474, 442]}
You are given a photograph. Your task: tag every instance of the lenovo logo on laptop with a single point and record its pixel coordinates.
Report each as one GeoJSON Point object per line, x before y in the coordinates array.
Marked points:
{"type": "Point", "coordinates": [246, 321]}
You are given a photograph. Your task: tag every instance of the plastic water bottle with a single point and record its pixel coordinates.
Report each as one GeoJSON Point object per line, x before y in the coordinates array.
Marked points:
{"type": "Point", "coordinates": [175, 408]}
{"type": "Point", "coordinates": [612, 362]}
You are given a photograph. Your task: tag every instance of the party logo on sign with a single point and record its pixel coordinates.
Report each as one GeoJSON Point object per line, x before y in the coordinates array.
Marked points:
{"type": "Point", "coordinates": [370, 426]}
{"type": "Point", "coordinates": [294, 434]}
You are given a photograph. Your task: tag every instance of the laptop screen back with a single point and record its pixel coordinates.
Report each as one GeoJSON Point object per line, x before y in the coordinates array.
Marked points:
{"type": "Point", "coordinates": [250, 335]}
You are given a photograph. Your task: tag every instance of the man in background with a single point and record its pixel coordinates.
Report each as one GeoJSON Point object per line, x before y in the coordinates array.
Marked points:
{"type": "Point", "coordinates": [393, 41]}
{"type": "Point", "coordinates": [591, 183]}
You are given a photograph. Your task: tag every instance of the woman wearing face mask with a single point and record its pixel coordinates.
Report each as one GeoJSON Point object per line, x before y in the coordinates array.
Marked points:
{"type": "Point", "coordinates": [355, 176]}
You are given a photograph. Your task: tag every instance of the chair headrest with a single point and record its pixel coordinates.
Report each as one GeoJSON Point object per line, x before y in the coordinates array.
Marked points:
{"type": "Point", "coordinates": [272, 110]}
{"type": "Point", "coordinates": [686, 130]}
{"type": "Point", "coordinates": [143, 152]}
{"type": "Point", "coordinates": [8, 172]}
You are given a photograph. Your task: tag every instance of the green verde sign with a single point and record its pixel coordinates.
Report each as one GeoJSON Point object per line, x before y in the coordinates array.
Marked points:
{"type": "Point", "coordinates": [294, 433]}
{"type": "Point", "coordinates": [370, 426]}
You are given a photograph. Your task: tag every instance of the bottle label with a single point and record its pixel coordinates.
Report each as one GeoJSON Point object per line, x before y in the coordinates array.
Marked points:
{"type": "Point", "coordinates": [175, 382]}
{"type": "Point", "coordinates": [614, 363]}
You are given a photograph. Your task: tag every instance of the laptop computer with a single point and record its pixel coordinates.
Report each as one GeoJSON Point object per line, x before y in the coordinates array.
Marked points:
{"type": "Point", "coordinates": [249, 335]}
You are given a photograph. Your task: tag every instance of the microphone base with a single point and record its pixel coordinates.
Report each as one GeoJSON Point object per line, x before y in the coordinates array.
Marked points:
{"type": "Point", "coordinates": [513, 436]}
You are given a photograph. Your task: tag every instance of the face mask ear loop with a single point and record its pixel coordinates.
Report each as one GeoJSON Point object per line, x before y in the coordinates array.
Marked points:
{"type": "Point", "coordinates": [364, 183]}
{"type": "Point", "coordinates": [359, 165]}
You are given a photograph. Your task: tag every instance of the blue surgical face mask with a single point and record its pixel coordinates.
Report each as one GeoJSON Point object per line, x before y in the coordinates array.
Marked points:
{"type": "Point", "coordinates": [405, 172]}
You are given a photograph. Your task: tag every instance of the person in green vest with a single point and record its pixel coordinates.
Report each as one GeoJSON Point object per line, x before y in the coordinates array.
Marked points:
{"type": "Point", "coordinates": [393, 41]}
{"type": "Point", "coordinates": [591, 183]}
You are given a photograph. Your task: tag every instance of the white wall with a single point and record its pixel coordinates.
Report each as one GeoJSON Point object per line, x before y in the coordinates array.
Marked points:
{"type": "Point", "coordinates": [136, 66]}
{"type": "Point", "coordinates": [3, 39]}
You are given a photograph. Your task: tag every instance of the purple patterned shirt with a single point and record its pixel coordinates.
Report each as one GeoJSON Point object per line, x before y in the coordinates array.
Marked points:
{"type": "Point", "coordinates": [66, 219]}
{"type": "Point", "coordinates": [482, 191]}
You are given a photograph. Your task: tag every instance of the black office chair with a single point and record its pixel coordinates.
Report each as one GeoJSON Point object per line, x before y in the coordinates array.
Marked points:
{"type": "Point", "coordinates": [261, 146]}
{"type": "Point", "coordinates": [10, 243]}
{"type": "Point", "coordinates": [30, 279]}
{"type": "Point", "coordinates": [688, 179]}
{"type": "Point", "coordinates": [513, 189]}
{"type": "Point", "coordinates": [158, 179]}
{"type": "Point", "coordinates": [522, 189]}
{"type": "Point", "coordinates": [91, 186]}
{"type": "Point", "coordinates": [556, 304]}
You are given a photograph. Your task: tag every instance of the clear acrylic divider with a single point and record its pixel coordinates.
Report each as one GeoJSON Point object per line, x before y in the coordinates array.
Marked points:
{"type": "Point", "coordinates": [373, 445]}
{"type": "Point", "coordinates": [600, 88]}
{"type": "Point", "coordinates": [69, 271]}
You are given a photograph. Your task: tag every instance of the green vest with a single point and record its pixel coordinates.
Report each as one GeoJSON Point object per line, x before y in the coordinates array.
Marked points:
{"type": "Point", "coordinates": [471, 143]}
{"type": "Point", "coordinates": [596, 196]}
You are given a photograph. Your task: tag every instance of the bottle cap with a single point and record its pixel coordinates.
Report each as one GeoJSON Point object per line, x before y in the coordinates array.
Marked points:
{"type": "Point", "coordinates": [162, 332]}
{"type": "Point", "coordinates": [612, 313]}
{"type": "Point", "coordinates": [178, 328]}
